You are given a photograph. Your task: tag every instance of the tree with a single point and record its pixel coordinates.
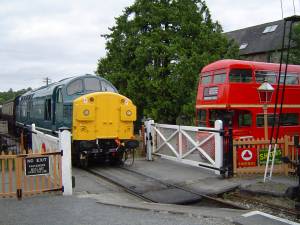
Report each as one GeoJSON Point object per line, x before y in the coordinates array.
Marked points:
{"type": "Point", "coordinates": [10, 94]}
{"type": "Point", "coordinates": [295, 52]}
{"type": "Point", "coordinates": [155, 52]}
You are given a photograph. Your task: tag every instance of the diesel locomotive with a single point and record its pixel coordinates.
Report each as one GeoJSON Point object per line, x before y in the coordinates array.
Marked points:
{"type": "Point", "coordinates": [100, 119]}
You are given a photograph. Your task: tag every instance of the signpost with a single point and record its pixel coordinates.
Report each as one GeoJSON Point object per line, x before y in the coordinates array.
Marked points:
{"type": "Point", "coordinates": [37, 166]}
{"type": "Point", "coordinates": [247, 157]}
{"type": "Point", "coordinates": [263, 156]}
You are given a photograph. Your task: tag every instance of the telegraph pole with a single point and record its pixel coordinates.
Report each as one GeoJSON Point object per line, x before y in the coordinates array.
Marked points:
{"type": "Point", "coordinates": [47, 80]}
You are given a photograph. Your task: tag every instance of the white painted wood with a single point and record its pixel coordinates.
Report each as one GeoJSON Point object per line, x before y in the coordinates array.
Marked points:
{"type": "Point", "coordinates": [189, 134]}
{"type": "Point", "coordinates": [65, 146]}
{"type": "Point", "coordinates": [218, 147]}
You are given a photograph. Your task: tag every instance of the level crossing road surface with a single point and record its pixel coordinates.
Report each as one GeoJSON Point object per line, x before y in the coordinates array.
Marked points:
{"type": "Point", "coordinates": [193, 178]}
{"type": "Point", "coordinates": [97, 201]}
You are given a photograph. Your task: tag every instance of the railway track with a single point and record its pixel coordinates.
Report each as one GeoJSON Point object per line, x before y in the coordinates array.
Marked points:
{"type": "Point", "coordinates": [140, 177]}
{"type": "Point", "coordinates": [264, 205]}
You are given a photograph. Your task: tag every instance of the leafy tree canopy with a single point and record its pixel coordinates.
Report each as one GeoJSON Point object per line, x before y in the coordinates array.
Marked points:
{"type": "Point", "coordinates": [155, 52]}
{"type": "Point", "coordinates": [295, 52]}
{"type": "Point", "coordinates": [10, 94]}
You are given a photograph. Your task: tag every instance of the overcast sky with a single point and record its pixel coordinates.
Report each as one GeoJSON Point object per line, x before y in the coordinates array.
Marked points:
{"type": "Point", "coordinates": [61, 38]}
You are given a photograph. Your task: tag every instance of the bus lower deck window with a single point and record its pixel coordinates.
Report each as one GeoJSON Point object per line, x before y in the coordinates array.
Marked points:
{"type": "Point", "coordinates": [287, 119]}
{"type": "Point", "coordinates": [201, 118]}
{"type": "Point", "coordinates": [245, 119]}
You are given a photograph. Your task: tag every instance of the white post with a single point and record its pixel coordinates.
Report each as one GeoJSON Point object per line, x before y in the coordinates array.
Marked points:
{"type": "Point", "coordinates": [180, 143]}
{"type": "Point", "coordinates": [34, 146]}
{"type": "Point", "coordinates": [149, 138]}
{"type": "Point", "coordinates": [218, 147]}
{"type": "Point", "coordinates": [65, 146]}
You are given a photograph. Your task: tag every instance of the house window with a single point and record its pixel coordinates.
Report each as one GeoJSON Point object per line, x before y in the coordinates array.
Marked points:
{"type": "Point", "coordinates": [270, 29]}
{"type": "Point", "coordinates": [243, 46]}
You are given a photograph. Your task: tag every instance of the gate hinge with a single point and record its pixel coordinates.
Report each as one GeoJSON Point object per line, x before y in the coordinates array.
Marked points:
{"type": "Point", "coordinates": [62, 188]}
{"type": "Point", "coordinates": [61, 152]}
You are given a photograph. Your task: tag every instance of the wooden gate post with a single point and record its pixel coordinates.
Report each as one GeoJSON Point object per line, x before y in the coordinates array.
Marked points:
{"type": "Point", "coordinates": [19, 173]}
{"type": "Point", "coordinates": [66, 170]}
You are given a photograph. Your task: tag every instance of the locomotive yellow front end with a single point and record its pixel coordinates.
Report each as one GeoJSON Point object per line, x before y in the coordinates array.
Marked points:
{"type": "Point", "coordinates": [102, 125]}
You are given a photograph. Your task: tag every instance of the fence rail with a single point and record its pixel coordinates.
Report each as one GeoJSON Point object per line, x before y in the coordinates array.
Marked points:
{"type": "Point", "coordinates": [15, 182]}
{"type": "Point", "coordinates": [285, 144]}
{"type": "Point", "coordinates": [47, 168]}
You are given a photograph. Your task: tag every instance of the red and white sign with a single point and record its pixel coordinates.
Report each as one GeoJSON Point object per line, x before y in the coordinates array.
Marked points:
{"type": "Point", "coordinates": [247, 157]}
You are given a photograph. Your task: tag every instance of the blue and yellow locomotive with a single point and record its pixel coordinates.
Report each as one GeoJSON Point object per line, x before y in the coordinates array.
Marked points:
{"type": "Point", "coordinates": [100, 119]}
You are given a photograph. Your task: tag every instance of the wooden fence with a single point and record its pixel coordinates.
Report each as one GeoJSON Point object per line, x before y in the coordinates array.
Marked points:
{"type": "Point", "coordinates": [17, 182]}
{"type": "Point", "coordinates": [285, 147]}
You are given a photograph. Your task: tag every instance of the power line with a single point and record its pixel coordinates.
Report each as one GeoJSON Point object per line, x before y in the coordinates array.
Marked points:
{"type": "Point", "coordinates": [294, 7]}
{"type": "Point", "coordinates": [281, 9]}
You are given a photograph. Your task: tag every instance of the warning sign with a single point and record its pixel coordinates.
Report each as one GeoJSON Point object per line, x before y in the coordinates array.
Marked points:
{"type": "Point", "coordinates": [247, 157]}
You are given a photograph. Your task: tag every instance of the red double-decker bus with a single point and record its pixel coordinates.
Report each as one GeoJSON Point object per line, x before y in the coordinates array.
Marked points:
{"type": "Point", "coordinates": [229, 88]}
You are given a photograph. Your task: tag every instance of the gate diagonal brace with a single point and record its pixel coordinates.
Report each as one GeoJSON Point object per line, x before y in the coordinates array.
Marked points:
{"type": "Point", "coordinates": [166, 141]}
{"type": "Point", "coordinates": [197, 146]}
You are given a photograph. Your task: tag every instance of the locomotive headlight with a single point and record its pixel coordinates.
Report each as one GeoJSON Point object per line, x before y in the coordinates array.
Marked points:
{"type": "Point", "coordinates": [86, 112]}
{"type": "Point", "coordinates": [128, 113]}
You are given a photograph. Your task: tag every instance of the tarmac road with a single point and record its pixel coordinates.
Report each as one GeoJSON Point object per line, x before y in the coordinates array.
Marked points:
{"type": "Point", "coordinates": [94, 202]}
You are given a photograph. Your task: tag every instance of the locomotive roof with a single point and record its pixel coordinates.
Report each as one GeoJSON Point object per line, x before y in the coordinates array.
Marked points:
{"type": "Point", "coordinates": [227, 63]}
{"type": "Point", "coordinates": [48, 90]}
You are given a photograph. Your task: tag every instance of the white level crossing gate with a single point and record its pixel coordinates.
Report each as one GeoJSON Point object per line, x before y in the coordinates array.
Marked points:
{"type": "Point", "coordinates": [197, 146]}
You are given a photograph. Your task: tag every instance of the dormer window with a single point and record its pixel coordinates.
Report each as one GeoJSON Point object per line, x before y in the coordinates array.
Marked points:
{"type": "Point", "coordinates": [270, 29]}
{"type": "Point", "coordinates": [243, 46]}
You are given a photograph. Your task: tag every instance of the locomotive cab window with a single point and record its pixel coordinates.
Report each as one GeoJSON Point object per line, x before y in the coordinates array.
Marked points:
{"type": "Point", "coordinates": [75, 87]}
{"type": "Point", "coordinates": [92, 84]}
{"type": "Point", "coordinates": [240, 75]}
{"type": "Point", "coordinates": [107, 87]}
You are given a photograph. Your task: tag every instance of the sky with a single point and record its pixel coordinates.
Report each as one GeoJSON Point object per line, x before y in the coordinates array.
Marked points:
{"type": "Point", "coordinates": [58, 39]}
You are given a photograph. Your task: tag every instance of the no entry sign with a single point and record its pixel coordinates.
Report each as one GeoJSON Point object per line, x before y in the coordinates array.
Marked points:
{"type": "Point", "coordinates": [247, 157]}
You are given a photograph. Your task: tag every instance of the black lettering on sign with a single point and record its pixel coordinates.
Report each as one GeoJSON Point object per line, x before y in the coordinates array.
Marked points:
{"type": "Point", "coordinates": [37, 166]}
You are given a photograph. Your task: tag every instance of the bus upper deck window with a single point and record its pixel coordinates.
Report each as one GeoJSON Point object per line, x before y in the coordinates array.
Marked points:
{"type": "Point", "coordinates": [205, 78]}
{"type": "Point", "coordinates": [291, 78]}
{"type": "Point", "coordinates": [240, 75]}
{"type": "Point", "coordinates": [220, 77]}
{"type": "Point", "coordinates": [269, 76]}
